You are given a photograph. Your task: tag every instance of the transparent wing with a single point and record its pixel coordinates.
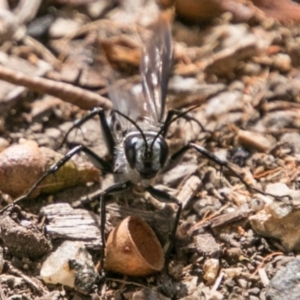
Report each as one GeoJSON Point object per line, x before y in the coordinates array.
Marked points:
{"type": "Point", "coordinates": [148, 106]}
{"type": "Point", "coordinates": [155, 69]}
{"type": "Point", "coordinates": [127, 101]}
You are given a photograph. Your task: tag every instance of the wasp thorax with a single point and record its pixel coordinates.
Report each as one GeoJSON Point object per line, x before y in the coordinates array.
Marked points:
{"type": "Point", "coordinates": [147, 155]}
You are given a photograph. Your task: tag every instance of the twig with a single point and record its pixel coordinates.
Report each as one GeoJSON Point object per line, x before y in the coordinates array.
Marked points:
{"type": "Point", "coordinates": [206, 219]}
{"type": "Point", "coordinates": [218, 281]}
{"type": "Point", "coordinates": [126, 282]}
{"type": "Point", "coordinates": [27, 10]}
{"type": "Point", "coordinates": [264, 260]}
{"type": "Point", "coordinates": [67, 92]}
{"type": "Point", "coordinates": [41, 50]}
{"type": "Point", "coordinates": [266, 173]}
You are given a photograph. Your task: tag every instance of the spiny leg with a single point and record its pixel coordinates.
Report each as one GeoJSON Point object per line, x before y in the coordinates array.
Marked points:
{"type": "Point", "coordinates": [225, 164]}
{"type": "Point", "coordinates": [107, 135]}
{"type": "Point", "coordinates": [167, 198]}
{"type": "Point", "coordinates": [95, 159]}
{"type": "Point", "coordinates": [177, 156]}
{"type": "Point", "coordinates": [112, 190]}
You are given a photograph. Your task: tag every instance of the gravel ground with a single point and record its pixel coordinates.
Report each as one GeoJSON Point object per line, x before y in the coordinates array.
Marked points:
{"type": "Point", "coordinates": [238, 234]}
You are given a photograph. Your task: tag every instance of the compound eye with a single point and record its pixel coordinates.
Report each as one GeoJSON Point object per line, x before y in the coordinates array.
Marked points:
{"type": "Point", "coordinates": [164, 152]}
{"type": "Point", "coordinates": [130, 152]}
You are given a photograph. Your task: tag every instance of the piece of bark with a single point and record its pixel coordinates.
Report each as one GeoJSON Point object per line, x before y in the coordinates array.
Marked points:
{"type": "Point", "coordinates": [64, 222]}
{"type": "Point", "coordinates": [189, 189]}
{"type": "Point", "coordinates": [215, 223]}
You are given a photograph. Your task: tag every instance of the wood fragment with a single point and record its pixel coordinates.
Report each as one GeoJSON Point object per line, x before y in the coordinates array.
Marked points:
{"type": "Point", "coordinates": [263, 276]}
{"type": "Point", "coordinates": [188, 190]}
{"type": "Point", "coordinates": [64, 222]}
{"type": "Point", "coordinates": [241, 213]}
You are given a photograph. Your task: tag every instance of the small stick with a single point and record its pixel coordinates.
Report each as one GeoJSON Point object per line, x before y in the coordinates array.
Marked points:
{"type": "Point", "coordinates": [218, 281]}
{"type": "Point", "coordinates": [67, 92]}
{"type": "Point", "coordinates": [265, 259]}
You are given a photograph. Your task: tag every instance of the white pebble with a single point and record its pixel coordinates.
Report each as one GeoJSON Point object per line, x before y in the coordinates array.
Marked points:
{"type": "Point", "coordinates": [56, 268]}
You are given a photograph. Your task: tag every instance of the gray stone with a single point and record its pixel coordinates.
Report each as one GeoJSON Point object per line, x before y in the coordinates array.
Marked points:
{"type": "Point", "coordinates": [286, 283]}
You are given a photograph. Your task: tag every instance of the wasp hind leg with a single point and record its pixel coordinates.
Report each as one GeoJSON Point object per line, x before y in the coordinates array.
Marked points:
{"type": "Point", "coordinates": [98, 162]}
{"type": "Point", "coordinates": [115, 189]}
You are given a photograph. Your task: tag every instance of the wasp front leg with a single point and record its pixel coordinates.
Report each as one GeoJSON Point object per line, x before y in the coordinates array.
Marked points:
{"type": "Point", "coordinates": [107, 135]}
{"type": "Point", "coordinates": [95, 159]}
{"type": "Point", "coordinates": [177, 156]}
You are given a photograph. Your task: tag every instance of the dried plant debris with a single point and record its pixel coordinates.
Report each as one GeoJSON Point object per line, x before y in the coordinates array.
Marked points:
{"type": "Point", "coordinates": [240, 67]}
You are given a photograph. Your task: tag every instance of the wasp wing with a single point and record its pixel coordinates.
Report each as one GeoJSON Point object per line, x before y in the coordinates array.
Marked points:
{"type": "Point", "coordinates": [128, 101]}
{"type": "Point", "coordinates": [155, 68]}
{"type": "Point", "coordinates": [147, 107]}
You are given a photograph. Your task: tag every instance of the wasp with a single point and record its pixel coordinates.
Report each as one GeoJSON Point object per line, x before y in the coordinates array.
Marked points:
{"type": "Point", "coordinates": [136, 133]}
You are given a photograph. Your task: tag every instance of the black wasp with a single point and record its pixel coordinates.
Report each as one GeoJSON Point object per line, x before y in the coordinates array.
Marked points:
{"type": "Point", "coordinates": [136, 135]}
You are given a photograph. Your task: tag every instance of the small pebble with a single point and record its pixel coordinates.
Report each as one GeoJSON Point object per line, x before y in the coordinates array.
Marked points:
{"type": "Point", "coordinates": [286, 283]}
{"type": "Point", "coordinates": [282, 62]}
{"type": "Point", "coordinates": [254, 291]}
{"type": "Point", "coordinates": [242, 283]}
{"type": "Point", "coordinates": [70, 265]}
{"type": "Point", "coordinates": [53, 133]}
{"type": "Point", "coordinates": [211, 270]}
{"type": "Point", "coordinates": [253, 298]}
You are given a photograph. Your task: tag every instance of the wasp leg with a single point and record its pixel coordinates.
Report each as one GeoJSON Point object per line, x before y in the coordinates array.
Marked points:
{"type": "Point", "coordinates": [112, 190]}
{"type": "Point", "coordinates": [95, 159]}
{"type": "Point", "coordinates": [107, 135]}
{"type": "Point", "coordinates": [176, 157]}
{"type": "Point", "coordinates": [167, 198]}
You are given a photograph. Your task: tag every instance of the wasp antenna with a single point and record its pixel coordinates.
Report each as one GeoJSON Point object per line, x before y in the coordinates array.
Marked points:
{"type": "Point", "coordinates": [167, 124]}
{"type": "Point", "coordinates": [137, 127]}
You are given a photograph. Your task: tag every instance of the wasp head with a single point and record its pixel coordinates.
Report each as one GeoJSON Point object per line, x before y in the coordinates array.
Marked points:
{"type": "Point", "coordinates": [147, 155]}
